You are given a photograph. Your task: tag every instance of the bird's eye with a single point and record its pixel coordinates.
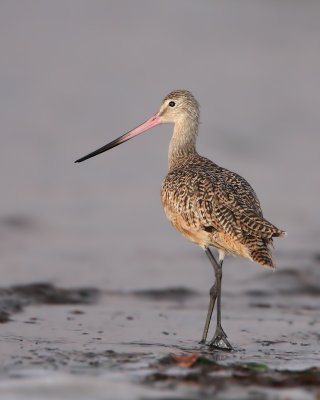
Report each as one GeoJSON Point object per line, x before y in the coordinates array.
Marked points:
{"type": "Point", "coordinates": [172, 104]}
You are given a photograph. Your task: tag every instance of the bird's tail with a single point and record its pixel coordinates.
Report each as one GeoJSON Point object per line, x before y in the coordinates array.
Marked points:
{"type": "Point", "coordinates": [259, 238]}
{"type": "Point", "coordinates": [259, 248]}
{"type": "Point", "coordinates": [263, 256]}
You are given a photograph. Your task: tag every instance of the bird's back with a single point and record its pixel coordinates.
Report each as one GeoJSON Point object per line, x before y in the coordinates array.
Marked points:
{"type": "Point", "coordinates": [211, 205]}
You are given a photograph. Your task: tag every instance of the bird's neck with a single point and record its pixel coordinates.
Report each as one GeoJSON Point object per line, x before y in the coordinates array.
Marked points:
{"type": "Point", "coordinates": [183, 141]}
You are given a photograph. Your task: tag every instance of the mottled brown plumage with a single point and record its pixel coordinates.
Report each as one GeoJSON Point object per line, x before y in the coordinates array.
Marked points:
{"type": "Point", "coordinates": [217, 208]}
{"type": "Point", "coordinates": [208, 204]}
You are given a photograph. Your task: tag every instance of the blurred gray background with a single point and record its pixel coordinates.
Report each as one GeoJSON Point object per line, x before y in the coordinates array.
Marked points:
{"type": "Point", "coordinates": [76, 74]}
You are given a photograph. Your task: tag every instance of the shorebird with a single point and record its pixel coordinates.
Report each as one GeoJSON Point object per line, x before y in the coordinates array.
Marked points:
{"type": "Point", "coordinates": [208, 204]}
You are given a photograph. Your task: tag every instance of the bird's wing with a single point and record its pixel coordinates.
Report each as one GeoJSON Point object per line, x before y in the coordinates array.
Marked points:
{"type": "Point", "coordinates": [237, 208]}
{"type": "Point", "coordinates": [213, 198]}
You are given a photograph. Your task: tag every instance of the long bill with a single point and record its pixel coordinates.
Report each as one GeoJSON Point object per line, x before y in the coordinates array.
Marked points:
{"type": "Point", "coordinates": [150, 123]}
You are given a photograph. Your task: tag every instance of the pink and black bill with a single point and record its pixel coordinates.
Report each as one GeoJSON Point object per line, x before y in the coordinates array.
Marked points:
{"type": "Point", "coordinates": [150, 123]}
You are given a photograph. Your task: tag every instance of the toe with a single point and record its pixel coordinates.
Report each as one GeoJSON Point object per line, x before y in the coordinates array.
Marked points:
{"type": "Point", "coordinates": [220, 341]}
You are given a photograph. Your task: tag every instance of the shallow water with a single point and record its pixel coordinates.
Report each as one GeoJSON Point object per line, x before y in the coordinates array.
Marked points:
{"type": "Point", "coordinates": [123, 338]}
{"type": "Point", "coordinates": [120, 289]}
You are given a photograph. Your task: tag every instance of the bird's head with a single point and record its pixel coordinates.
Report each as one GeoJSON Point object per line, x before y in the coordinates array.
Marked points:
{"type": "Point", "coordinates": [178, 107]}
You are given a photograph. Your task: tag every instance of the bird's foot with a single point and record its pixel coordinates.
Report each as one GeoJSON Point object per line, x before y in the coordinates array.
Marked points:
{"type": "Point", "coordinates": [220, 340]}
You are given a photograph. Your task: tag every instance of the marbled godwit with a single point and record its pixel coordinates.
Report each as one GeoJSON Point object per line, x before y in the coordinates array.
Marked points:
{"type": "Point", "coordinates": [208, 204]}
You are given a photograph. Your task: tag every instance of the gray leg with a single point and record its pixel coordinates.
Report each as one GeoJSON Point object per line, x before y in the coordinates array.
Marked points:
{"type": "Point", "coordinates": [220, 338]}
{"type": "Point", "coordinates": [213, 297]}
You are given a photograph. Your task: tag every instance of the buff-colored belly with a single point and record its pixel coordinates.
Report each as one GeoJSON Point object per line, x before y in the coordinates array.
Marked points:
{"type": "Point", "coordinates": [204, 239]}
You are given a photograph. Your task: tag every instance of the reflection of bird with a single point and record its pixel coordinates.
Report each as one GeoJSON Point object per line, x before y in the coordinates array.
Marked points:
{"type": "Point", "coordinates": [208, 204]}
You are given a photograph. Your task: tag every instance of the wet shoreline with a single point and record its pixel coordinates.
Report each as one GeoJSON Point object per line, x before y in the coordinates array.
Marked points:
{"type": "Point", "coordinates": [86, 332]}
{"type": "Point", "coordinates": [99, 295]}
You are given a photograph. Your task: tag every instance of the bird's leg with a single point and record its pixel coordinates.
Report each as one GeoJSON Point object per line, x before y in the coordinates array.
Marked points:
{"type": "Point", "coordinates": [213, 297]}
{"type": "Point", "coordinates": [219, 339]}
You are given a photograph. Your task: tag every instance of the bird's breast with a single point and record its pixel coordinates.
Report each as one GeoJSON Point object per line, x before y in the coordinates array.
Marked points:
{"type": "Point", "coordinates": [179, 206]}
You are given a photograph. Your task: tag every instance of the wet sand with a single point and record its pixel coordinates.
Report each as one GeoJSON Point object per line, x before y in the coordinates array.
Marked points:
{"type": "Point", "coordinates": [98, 293]}
{"type": "Point", "coordinates": [122, 343]}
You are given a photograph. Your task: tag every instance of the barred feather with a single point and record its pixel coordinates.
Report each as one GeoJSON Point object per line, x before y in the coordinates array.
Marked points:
{"type": "Point", "coordinates": [211, 205]}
